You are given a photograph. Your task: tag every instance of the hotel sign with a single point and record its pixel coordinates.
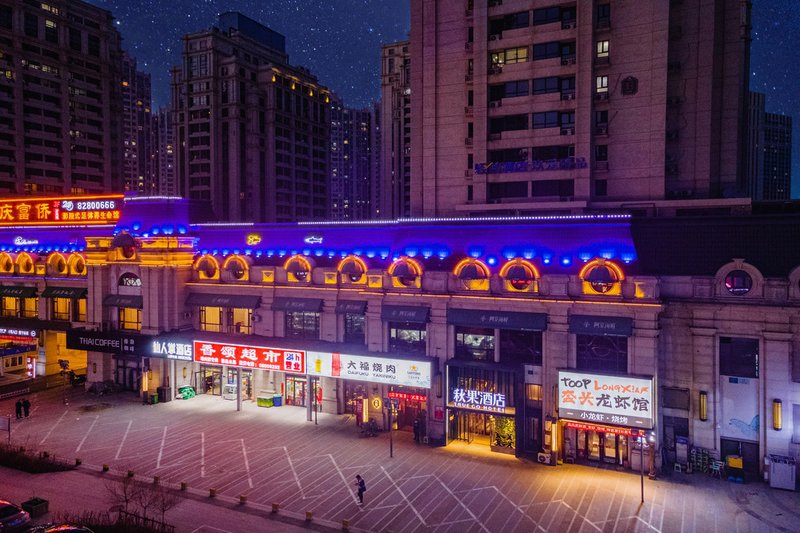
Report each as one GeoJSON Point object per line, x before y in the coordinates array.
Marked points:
{"type": "Point", "coordinates": [168, 349]}
{"type": "Point", "coordinates": [492, 402]}
{"type": "Point", "coordinates": [257, 357]}
{"type": "Point", "coordinates": [370, 368]}
{"type": "Point", "coordinates": [82, 210]}
{"type": "Point", "coordinates": [595, 398]}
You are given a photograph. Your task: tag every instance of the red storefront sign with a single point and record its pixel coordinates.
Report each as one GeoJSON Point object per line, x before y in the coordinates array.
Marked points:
{"type": "Point", "coordinates": [30, 366]}
{"type": "Point", "coordinates": [629, 432]}
{"type": "Point", "coordinates": [257, 357]}
{"type": "Point", "coordinates": [408, 396]}
{"type": "Point", "coordinates": [79, 210]}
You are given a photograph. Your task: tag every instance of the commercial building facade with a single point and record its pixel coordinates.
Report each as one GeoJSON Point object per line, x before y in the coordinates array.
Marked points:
{"type": "Point", "coordinates": [565, 106]}
{"type": "Point", "coordinates": [568, 337]}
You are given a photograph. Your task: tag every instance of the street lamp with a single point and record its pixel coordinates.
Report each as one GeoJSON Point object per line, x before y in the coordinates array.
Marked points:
{"type": "Point", "coordinates": [64, 364]}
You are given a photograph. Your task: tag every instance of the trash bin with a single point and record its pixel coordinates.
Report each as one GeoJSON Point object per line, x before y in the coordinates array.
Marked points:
{"type": "Point", "coordinates": [277, 400]}
{"type": "Point", "coordinates": [782, 472]}
{"type": "Point", "coordinates": [153, 398]}
{"type": "Point", "coordinates": [165, 393]}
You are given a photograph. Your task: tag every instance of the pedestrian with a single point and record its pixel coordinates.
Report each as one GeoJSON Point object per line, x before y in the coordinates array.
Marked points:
{"type": "Point", "coordinates": [362, 488]}
{"type": "Point", "coordinates": [19, 409]}
{"type": "Point", "coordinates": [416, 429]}
{"type": "Point", "coordinates": [26, 405]}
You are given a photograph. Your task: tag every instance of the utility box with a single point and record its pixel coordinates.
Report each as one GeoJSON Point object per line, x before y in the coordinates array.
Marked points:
{"type": "Point", "coordinates": [782, 472]}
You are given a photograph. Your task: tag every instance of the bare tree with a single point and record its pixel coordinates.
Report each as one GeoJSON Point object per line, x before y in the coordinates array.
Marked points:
{"type": "Point", "coordinates": [167, 499]}
{"type": "Point", "coordinates": [124, 492]}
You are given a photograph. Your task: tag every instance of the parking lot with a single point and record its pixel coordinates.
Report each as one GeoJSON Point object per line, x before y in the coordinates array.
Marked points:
{"type": "Point", "coordinates": [275, 455]}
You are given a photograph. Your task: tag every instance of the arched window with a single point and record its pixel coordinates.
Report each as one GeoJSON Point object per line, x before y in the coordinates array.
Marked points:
{"type": "Point", "coordinates": [298, 269]}
{"type": "Point", "coordinates": [57, 264]}
{"type": "Point", "coordinates": [473, 274]}
{"type": "Point", "coordinates": [77, 265]}
{"type": "Point", "coordinates": [207, 267]}
{"type": "Point", "coordinates": [237, 267]}
{"type": "Point", "coordinates": [126, 244]}
{"type": "Point", "coordinates": [405, 272]}
{"type": "Point", "coordinates": [25, 262]}
{"type": "Point", "coordinates": [738, 282]}
{"type": "Point", "coordinates": [6, 263]}
{"type": "Point", "coordinates": [352, 269]}
{"type": "Point", "coordinates": [519, 275]}
{"type": "Point", "coordinates": [602, 277]}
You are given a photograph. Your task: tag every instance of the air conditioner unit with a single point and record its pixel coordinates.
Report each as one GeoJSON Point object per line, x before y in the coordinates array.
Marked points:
{"type": "Point", "coordinates": [257, 317]}
{"type": "Point", "coordinates": [567, 131]}
{"type": "Point", "coordinates": [495, 36]}
{"type": "Point", "coordinates": [601, 130]}
{"type": "Point", "coordinates": [568, 96]}
{"type": "Point", "coordinates": [468, 141]}
{"type": "Point", "coordinates": [601, 96]}
{"type": "Point", "coordinates": [543, 458]}
{"type": "Point", "coordinates": [495, 70]}
{"type": "Point", "coordinates": [495, 103]}
{"type": "Point", "coordinates": [467, 46]}
{"type": "Point", "coordinates": [468, 77]}
{"type": "Point", "coordinates": [568, 60]}
{"type": "Point", "coordinates": [187, 315]}
{"type": "Point", "coordinates": [568, 24]}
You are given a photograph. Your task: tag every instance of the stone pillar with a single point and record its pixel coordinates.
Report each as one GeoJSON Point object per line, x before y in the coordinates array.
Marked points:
{"type": "Point", "coordinates": [776, 369]}
{"type": "Point", "coordinates": [705, 378]}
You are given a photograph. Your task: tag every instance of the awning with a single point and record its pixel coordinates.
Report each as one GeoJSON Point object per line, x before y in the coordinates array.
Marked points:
{"type": "Point", "coordinates": [310, 305]}
{"type": "Point", "coordinates": [17, 291]}
{"type": "Point", "coordinates": [405, 313]}
{"type": "Point", "coordinates": [601, 325]}
{"type": "Point", "coordinates": [239, 301]}
{"type": "Point", "coordinates": [65, 292]}
{"type": "Point", "coordinates": [353, 307]}
{"type": "Point", "coordinates": [497, 319]}
{"type": "Point", "coordinates": [123, 300]}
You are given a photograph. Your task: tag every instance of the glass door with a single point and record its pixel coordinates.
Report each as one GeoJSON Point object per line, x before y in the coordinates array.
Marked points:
{"type": "Point", "coordinates": [609, 448]}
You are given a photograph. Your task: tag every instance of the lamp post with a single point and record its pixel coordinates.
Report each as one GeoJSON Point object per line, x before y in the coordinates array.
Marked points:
{"type": "Point", "coordinates": [64, 364]}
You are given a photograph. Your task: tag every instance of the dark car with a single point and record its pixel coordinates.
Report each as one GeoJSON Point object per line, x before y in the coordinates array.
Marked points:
{"type": "Point", "coordinates": [13, 517]}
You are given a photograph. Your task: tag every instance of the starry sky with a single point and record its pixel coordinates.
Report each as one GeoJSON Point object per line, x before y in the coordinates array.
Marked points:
{"type": "Point", "coordinates": [339, 40]}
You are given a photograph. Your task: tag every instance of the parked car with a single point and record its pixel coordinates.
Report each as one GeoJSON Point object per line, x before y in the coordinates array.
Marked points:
{"type": "Point", "coordinates": [13, 517]}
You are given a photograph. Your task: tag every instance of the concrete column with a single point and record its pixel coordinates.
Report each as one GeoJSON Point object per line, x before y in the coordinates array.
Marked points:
{"type": "Point", "coordinates": [173, 379]}
{"type": "Point", "coordinates": [706, 378]}
{"type": "Point", "coordinates": [238, 389]}
{"type": "Point", "coordinates": [309, 400]}
{"type": "Point", "coordinates": [776, 368]}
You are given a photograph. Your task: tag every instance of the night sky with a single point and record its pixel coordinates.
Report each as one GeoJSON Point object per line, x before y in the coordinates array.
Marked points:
{"type": "Point", "coordinates": [339, 40]}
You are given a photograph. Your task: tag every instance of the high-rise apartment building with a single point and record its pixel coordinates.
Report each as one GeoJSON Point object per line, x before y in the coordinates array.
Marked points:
{"type": "Point", "coordinates": [376, 142]}
{"type": "Point", "coordinates": [163, 153]}
{"type": "Point", "coordinates": [351, 162]}
{"type": "Point", "coordinates": [395, 128]}
{"type": "Point", "coordinates": [521, 105]}
{"type": "Point", "coordinates": [251, 131]}
{"type": "Point", "coordinates": [60, 100]}
{"type": "Point", "coordinates": [769, 152]}
{"type": "Point", "coordinates": [138, 170]}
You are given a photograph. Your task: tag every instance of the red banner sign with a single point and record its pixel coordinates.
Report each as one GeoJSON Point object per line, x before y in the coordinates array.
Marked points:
{"type": "Point", "coordinates": [78, 210]}
{"type": "Point", "coordinates": [408, 396]}
{"type": "Point", "coordinates": [258, 357]}
{"type": "Point", "coordinates": [630, 432]}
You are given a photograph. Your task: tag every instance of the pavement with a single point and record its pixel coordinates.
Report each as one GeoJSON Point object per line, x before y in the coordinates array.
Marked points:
{"type": "Point", "coordinates": [275, 455]}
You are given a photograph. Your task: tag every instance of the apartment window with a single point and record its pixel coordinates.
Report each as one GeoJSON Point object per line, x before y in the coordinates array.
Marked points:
{"type": "Point", "coordinates": [50, 31]}
{"type": "Point", "coordinates": [550, 84]}
{"type": "Point", "coordinates": [407, 338]}
{"type": "Point", "coordinates": [508, 123]}
{"type": "Point", "coordinates": [6, 17]}
{"type": "Point", "coordinates": [507, 189]}
{"type": "Point", "coordinates": [547, 119]}
{"type": "Point", "coordinates": [474, 344]}
{"type": "Point", "coordinates": [521, 347]}
{"type": "Point", "coordinates": [601, 187]}
{"type": "Point", "coordinates": [601, 152]}
{"type": "Point", "coordinates": [738, 357]}
{"type": "Point", "coordinates": [553, 188]}
{"type": "Point", "coordinates": [546, 15]}
{"type": "Point", "coordinates": [211, 319]}
{"type": "Point", "coordinates": [548, 153]}
{"type": "Point", "coordinates": [10, 306]}
{"type": "Point", "coordinates": [509, 56]}
{"type": "Point", "coordinates": [470, 161]}
{"type": "Point", "coordinates": [601, 84]}
{"type": "Point", "coordinates": [603, 15]}
{"type": "Point", "coordinates": [31, 25]}
{"type": "Point", "coordinates": [354, 328]}
{"type": "Point", "coordinates": [602, 48]}
{"type": "Point", "coordinates": [93, 45]}
{"type": "Point", "coordinates": [240, 321]}
{"type": "Point", "coordinates": [601, 118]}
{"type": "Point", "coordinates": [509, 22]}
{"type": "Point", "coordinates": [130, 318]}
{"type": "Point", "coordinates": [515, 88]}
{"type": "Point", "coordinates": [546, 50]}
{"type": "Point", "coordinates": [302, 325]}
{"type": "Point", "coordinates": [567, 119]}
{"type": "Point", "coordinates": [602, 353]}
{"type": "Point", "coordinates": [75, 39]}
{"type": "Point", "coordinates": [508, 155]}
{"type": "Point", "coordinates": [61, 308]}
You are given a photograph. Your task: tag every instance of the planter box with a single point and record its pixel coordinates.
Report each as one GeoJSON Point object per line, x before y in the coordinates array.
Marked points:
{"type": "Point", "coordinates": [265, 402]}
{"type": "Point", "coordinates": [36, 506]}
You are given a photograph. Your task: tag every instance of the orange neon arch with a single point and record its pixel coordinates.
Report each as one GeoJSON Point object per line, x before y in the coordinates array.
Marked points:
{"type": "Point", "coordinates": [77, 264]}
{"type": "Point", "coordinates": [413, 267]}
{"type": "Point", "coordinates": [208, 266]}
{"type": "Point", "coordinates": [22, 257]}
{"type": "Point", "coordinates": [58, 262]}
{"type": "Point", "coordinates": [601, 262]}
{"type": "Point", "coordinates": [479, 266]}
{"type": "Point", "coordinates": [351, 259]}
{"type": "Point", "coordinates": [519, 262]}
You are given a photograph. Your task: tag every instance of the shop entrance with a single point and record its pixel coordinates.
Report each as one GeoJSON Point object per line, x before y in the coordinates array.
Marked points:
{"type": "Point", "coordinates": [296, 391]}
{"type": "Point", "coordinates": [208, 380]}
{"type": "Point", "coordinates": [471, 427]}
{"type": "Point", "coordinates": [602, 447]}
{"type": "Point", "coordinates": [411, 408]}
{"type": "Point", "coordinates": [247, 382]}
{"type": "Point", "coordinates": [748, 451]}
{"type": "Point", "coordinates": [128, 373]}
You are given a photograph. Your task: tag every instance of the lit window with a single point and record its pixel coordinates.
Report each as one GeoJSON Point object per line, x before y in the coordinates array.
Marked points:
{"type": "Point", "coordinates": [519, 275]}
{"type": "Point", "coordinates": [601, 84]}
{"type": "Point", "coordinates": [298, 268]}
{"type": "Point", "coordinates": [352, 269]}
{"type": "Point", "coordinates": [602, 48]}
{"type": "Point", "coordinates": [602, 277]}
{"type": "Point", "coordinates": [738, 282]}
{"type": "Point", "coordinates": [405, 272]}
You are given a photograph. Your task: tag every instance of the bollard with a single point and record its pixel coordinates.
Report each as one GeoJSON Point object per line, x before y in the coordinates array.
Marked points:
{"type": "Point", "coordinates": [105, 468]}
{"type": "Point", "coordinates": [309, 516]}
{"type": "Point", "coordinates": [130, 473]}
{"type": "Point", "coordinates": [242, 499]}
{"type": "Point", "coordinates": [156, 480]}
{"type": "Point", "coordinates": [212, 493]}
{"type": "Point", "coordinates": [184, 486]}
{"type": "Point", "coordinates": [45, 455]}
{"type": "Point", "coordinates": [275, 507]}
{"type": "Point", "coordinates": [22, 449]}
{"type": "Point", "coordinates": [77, 462]}
{"type": "Point", "coordinates": [345, 524]}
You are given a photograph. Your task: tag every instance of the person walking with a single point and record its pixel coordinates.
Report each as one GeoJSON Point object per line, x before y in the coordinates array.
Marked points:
{"type": "Point", "coordinates": [19, 409]}
{"type": "Point", "coordinates": [362, 488]}
{"type": "Point", "coordinates": [26, 405]}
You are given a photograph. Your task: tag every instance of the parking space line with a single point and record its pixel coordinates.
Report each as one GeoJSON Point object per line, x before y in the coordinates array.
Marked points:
{"type": "Point", "coordinates": [246, 464]}
{"type": "Point", "coordinates": [294, 472]}
{"type": "Point", "coordinates": [54, 426]}
{"type": "Point", "coordinates": [125, 436]}
{"type": "Point", "coordinates": [456, 498]}
{"type": "Point", "coordinates": [161, 449]}
{"type": "Point", "coordinates": [419, 516]}
{"type": "Point", "coordinates": [341, 475]}
{"type": "Point", "coordinates": [96, 418]}
{"type": "Point", "coordinates": [202, 454]}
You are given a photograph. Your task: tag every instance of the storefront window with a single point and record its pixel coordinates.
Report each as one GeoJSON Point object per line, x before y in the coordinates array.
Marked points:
{"type": "Point", "coordinates": [475, 344]}
{"type": "Point", "coordinates": [354, 328]}
{"type": "Point", "coordinates": [30, 307]}
{"type": "Point", "coordinates": [130, 318]}
{"type": "Point", "coordinates": [10, 306]}
{"type": "Point", "coordinates": [602, 353]}
{"type": "Point", "coordinates": [80, 309]}
{"type": "Point", "coordinates": [240, 321]}
{"type": "Point", "coordinates": [302, 325]}
{"type": "Point", "coordinates": [521, 347]}
{"type": "Point", "coordinates": [61, 308]}
{"type": "Point", "coordinates": [407, 338]}
{"type": "Point", "coordinates": [211, 319]}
